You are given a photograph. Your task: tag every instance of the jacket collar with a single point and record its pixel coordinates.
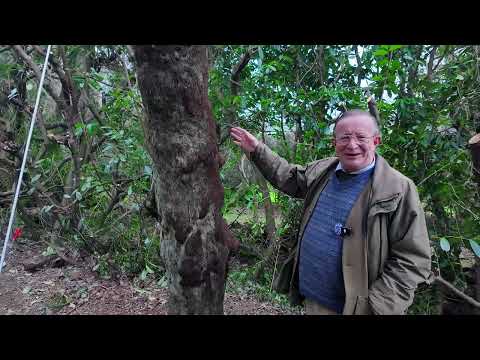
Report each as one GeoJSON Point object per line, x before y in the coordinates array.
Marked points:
{"type": "Point", "coordinates": [385, 181]}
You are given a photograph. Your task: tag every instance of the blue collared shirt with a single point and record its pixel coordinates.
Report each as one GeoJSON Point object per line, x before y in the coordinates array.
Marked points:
{"type": "Point", "coordinates": [366, 168]}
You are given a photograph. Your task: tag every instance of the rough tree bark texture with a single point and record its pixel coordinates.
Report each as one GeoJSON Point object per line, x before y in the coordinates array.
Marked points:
{"type": "Point", "coordinates": [181, 139]}
{"type": "Point", "coordinates": [474, 145]}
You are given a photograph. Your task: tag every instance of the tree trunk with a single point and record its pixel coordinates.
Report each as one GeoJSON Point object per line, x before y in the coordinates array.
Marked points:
{"type": "Point", "coordinates": [180, 137]}
{"type": "Point", "coordinates": [474, 146]}
{"type": "Point", "coordinates": [298, 137]}
{"type": "Point", "coordinates": [373, 110]}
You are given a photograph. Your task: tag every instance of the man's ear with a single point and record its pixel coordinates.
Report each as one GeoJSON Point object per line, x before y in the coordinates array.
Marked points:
{"type": "Point", "coordinates": [377, 140]}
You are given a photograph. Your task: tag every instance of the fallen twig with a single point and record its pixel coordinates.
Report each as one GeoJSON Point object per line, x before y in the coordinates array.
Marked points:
{"type": "Point", "coordinates": [33, 266]}
{"type": "Point", "coordinates": [234, 221]}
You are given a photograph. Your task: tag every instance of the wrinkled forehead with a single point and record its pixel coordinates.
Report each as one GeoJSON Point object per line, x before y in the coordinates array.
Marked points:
{"type": "Point", "coordinates": [356, 123]}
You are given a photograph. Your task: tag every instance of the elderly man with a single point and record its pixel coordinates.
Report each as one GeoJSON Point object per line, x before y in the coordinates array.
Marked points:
{"type": "Point", "coordinates": [363, 245]}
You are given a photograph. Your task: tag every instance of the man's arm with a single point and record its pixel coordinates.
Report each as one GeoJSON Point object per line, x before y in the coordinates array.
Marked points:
{"type": "Point", "coordinates": [290, 179]}
{"type": "Point", "coordinates": [409, 262]}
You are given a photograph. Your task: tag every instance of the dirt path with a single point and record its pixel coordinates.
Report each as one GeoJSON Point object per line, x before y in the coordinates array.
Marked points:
{"type": "Point", "coordinates": [78, 290]}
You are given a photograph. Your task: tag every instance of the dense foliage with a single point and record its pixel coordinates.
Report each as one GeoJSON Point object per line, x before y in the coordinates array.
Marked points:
{"type": "Point", "coordinates": [88, 183]}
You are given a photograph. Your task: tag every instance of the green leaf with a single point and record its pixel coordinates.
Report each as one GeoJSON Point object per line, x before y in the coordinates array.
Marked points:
{"type": "Point", "coordinates": [395, 47]}
{"type": "Point", "coordinates": [78, 195]}
{"type": "Point", "coordinates": [273, 197]}
{"type": "Point", "coordinates": [147, 170]}
{"type": "Point", "coordinates": [92, 128]}
{"type": "Point", "coordinates": [130, 191]}
{"type": "Point", "coordinates": [46, 209]}
{"type": "Point", "coordinates": [475, 247]}
{"type": "Point", "coordinates": [380, 52]}
{"type": "Point", "coordinates": [444, 244]}
{"type": "Point", "coordinates": [49, 251]}
{"type": "Point", "coordinates": [271, 67]}
{"type": "Point", "coordinates": [78, 130]}
{"type": "Point", "coordinates": [36, 177]}
{"type": "Point", "coordinates": [260, 56]}
{"type": "Point", "coordinates": [163, 282]}
{"type": "Point", "coordinates": [148, 269]}
{"type": "Point", "coordinates": [460, 77]}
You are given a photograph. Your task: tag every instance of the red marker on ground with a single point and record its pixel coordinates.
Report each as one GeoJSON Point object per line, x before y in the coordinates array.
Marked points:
{"type": "Point", "coordinates": [16, 233]}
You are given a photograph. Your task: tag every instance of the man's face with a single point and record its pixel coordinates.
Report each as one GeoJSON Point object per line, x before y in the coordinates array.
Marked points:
{"type": "Point", "coordinates": [355, 142]}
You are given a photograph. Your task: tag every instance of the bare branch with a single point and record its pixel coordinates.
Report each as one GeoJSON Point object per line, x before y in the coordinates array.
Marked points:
{"type": "Point", "coordinates": [31, 64]}
{"type": "Point", "coordinates": [56, 125]}
{"type": "Point", "coordinates": [320, 63]}
{"type": "Point", "coordinates": [237, 71]}
{"type": "Point", "coordinates": [430, 63]}
{"type": "Point", "coordinates": [372, 108]}
{"type": "Point", "coordinates": [28, 60]}
{"type": "Point", "coordinates": [457, 292]}
{"type": "Point", "coordinates": [130, 51]}
{"type": "Point", "coordinates": [306, 73]}
{"type": "Point", "coordinates": [56, 66]}
{"type": "Point", "coordinates": [441, 58]}
{"type": "Point", "coordinates": [95, 113]}
{"type": "Point", "coordinates": [359, 69]}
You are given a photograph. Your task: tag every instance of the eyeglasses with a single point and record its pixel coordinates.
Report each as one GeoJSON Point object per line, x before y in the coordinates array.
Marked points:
{"type": "Point", "coordinates": [360, 139]}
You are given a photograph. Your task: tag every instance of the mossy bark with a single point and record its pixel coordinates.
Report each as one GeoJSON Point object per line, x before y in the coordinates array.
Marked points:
{"type": "Point", "coordinates": [181, 139]}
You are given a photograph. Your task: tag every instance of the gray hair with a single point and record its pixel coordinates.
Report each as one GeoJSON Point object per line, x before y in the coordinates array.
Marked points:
{"type": "Point", "coordinates": [357, 112]}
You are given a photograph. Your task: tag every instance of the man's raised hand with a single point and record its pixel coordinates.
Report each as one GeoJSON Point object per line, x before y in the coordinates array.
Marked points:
{"type": "Point", "coordinates": [244, 139]}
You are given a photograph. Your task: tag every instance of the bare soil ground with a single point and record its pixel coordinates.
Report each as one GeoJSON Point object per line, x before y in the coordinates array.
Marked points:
{"type": "Point", "coordinates": [76, 289]}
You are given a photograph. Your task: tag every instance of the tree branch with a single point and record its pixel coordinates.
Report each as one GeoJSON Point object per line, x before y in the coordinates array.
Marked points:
{"type": "Point", "coordinates": [359, 69]}
{"type": "Point", "coordinates": [441, 58]}
{"type": "Point", "coordinates": [235, 78]}
{"type": "Point", "coordinates": [372, 107]}
{"type": "Point", "coordinates": [130, 52]}
{"type": "Point", "coordinates": [430, 63]}
{"type": "Point", "coordinates": [56, 125]}
{"type": "Point", "coordinates": [320, 63]}
{"type": "Point", "coordinates": [56, 66]}
{"type": "Point", "coordinates": [474, 147]}
{"type": "Point", "coordinates": [457, 292]}
{"type": "Point", "coordinates": [31, 64]}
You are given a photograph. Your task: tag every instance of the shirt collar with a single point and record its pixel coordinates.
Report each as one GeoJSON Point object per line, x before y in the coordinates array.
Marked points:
{"type": "Point", "coordinates": [366, 168]}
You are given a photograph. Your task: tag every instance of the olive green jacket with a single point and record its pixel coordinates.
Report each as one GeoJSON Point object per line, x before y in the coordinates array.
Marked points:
{"type": "Point", "coordinates": [387, 253]}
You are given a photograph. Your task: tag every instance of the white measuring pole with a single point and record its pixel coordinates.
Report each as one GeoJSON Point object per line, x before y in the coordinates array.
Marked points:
{"type": "Point", "coordinates": [25, 155]}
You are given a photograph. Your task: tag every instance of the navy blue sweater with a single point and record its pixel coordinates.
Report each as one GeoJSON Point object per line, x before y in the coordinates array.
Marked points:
{"type": "Point", "coordinates": [320, 267]}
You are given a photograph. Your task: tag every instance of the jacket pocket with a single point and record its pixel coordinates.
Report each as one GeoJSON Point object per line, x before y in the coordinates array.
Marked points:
{"type": "Point", "coordinates": [362, 306]}
{"type": "Point", "coordinates": [387, 205]}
